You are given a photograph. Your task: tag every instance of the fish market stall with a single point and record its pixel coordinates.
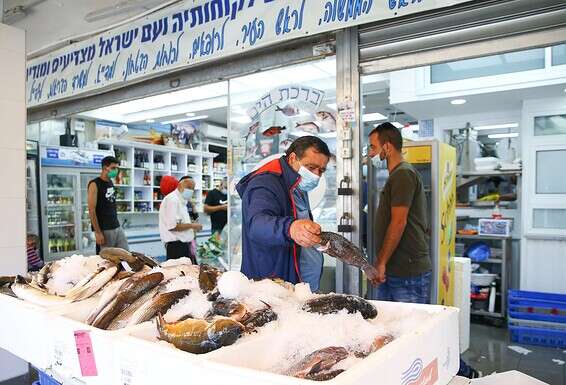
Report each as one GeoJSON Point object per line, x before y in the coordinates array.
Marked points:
{"type": "Point", "coordinates": [123, 319]}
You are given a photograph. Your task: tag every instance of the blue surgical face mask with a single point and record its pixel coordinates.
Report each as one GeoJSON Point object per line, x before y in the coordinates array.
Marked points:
{"type": "Point", "coordinates": [187, 194]}
{"type": "Point", "coordinates": [309, 180]}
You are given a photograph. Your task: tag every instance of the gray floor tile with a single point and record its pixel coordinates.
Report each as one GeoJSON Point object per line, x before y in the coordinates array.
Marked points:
{"type": "Point", "coordinates": [489, 353]}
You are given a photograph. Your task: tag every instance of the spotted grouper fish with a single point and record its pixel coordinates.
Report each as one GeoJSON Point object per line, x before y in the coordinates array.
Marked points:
{"type": "Point", "coordinates": [339, 247]}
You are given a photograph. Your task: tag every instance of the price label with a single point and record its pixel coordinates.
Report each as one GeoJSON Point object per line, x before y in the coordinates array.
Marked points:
{"type": "Point", "coordinates": [85, 353]}
{"type": "Point", "coordinates": [58, 353]}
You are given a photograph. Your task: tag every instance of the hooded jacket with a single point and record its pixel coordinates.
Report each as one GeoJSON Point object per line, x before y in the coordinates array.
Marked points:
{"type": "Point", "coordinates": [268, 209]}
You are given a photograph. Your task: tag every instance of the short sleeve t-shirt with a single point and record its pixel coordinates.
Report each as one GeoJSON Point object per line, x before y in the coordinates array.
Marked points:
{"type": "Point", "coordinates": [219, 218]}
{"type": "Point", "coordinates": [405, 188]}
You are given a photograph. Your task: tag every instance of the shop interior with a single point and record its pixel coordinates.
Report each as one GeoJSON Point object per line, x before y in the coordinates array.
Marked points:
{"type": "Point", "coordinates": [504, 114]}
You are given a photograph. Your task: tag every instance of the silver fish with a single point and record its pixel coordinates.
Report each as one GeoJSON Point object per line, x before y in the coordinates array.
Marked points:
{"type": "Point", "coordinates": [310, 127]}
{"type": "Point", "coordinates": [122, 319]}
{"type": "Point", "coordinates": [288, 110]}
{"type": "Point", "coordinates": [36, 296]}
{"type": "Point", "coordinates": [92, 283]}
{"type": "Point", "coordinates": [158, 304]}
{"type": "Point", "coordinates": [107, 295]}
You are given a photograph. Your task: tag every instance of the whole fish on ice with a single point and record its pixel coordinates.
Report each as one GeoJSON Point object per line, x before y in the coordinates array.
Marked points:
{"type": "Point", "coordinates": [333, 303]}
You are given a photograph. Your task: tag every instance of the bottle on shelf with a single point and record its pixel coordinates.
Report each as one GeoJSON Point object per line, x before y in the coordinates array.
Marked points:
{"type": "Point", "coordinates": [145, 160]}
{"type": "Point", "coordinates": [174, 166]}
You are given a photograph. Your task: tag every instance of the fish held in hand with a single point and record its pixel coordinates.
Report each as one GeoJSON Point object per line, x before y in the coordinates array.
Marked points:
{"type": "Point", "coordinates": [339, 247]}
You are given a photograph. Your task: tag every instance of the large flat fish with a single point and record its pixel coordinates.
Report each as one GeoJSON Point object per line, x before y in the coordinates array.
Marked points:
{"type": "Point", "coordinates": [339, 247]}
{"type": "Point", "coordinates": [131, 290]}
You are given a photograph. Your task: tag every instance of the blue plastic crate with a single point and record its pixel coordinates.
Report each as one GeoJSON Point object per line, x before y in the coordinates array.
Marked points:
{"type": "Point", "coordinates": [537, 336]}
{"type": "Point", "coordinates": [46, 379]}
{"type": "Point", "coordinates": [537, 306]}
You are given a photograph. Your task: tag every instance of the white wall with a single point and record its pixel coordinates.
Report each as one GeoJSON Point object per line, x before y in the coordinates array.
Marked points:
{"type": "Point", "coordinates": [13, 160]}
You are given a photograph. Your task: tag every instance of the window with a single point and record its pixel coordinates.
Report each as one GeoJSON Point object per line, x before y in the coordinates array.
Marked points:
{"type": "Point", "coordinates": [487, 66]}
{"type": "Point", "coordinates": [550, 125]}
{"type": "Point", "coordinates": [559, 55]}
{"type": "Point", "coordinates": [551, 173]}
{"type": "Point", "coordinates": [549, 218]}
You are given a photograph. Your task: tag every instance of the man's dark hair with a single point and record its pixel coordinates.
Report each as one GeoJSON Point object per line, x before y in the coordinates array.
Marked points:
{"type": "Point", "coordinates": [301, 145]}
{"type": "Point", "coordinates": [109, 160]}
{"type": "Point", "coordinates": [185, 177]}
{"type": "Point", "coordinates": [388, 133]}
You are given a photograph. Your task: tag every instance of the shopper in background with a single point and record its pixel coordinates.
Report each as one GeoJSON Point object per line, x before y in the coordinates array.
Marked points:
{"type": "Point", "coordinates": [216, 205]}
{"type": "Point", "coordinates": [278, 233]}
{"type": "Point", "coordinates": [403, 262]}
{"type": "Point", "coordinates": [102, 208]}
{"type": "Point", "coordinates": [401, 230]}
{"type": "Point", "coordinates": [175, 226]}
{"type": "Point", "coordinates": [32, 245]}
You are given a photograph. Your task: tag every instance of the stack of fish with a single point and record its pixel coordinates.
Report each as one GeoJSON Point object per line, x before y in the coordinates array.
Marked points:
{"type": "Point", "coordinates": [199, 309]}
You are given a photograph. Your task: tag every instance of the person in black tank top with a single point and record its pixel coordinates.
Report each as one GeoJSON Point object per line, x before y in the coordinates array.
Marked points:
{"type": "Point", "coordinates": [102, 208]}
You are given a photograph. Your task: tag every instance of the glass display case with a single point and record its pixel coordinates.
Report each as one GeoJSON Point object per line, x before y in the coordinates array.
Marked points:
{"type": "Point", "coordinates": [268, 111]}
{"type": "Point", "coordinates": [61, 211]}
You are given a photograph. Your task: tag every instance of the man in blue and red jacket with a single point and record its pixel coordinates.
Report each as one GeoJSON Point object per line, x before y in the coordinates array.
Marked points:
{"type": "Point", "coordinates": [278, 233]}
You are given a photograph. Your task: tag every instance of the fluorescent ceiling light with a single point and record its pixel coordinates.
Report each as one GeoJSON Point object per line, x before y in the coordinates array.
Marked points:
{"type": "Point", "coordinates": [496, 126]}
{"type": "Point", "coordinates": [150, 121]}
{"type": "Point", "coordinates": [373, 117]}
{"type": "Point", "coordinates": [397, 124]}
{"type": "Point", "coordinates": [458, 102]}
{"type": "Point", "coordinates": [200, 117]}
{"type": "Point", "coordinates": [499, 136]}
{"type": "Point", "coordinates": [190, 114]}
{"type": "Point", "coordinates": [241, 119]}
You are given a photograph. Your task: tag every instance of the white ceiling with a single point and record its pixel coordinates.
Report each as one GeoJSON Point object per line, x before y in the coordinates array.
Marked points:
{"type": "Point", "coordinates": [50, 21]}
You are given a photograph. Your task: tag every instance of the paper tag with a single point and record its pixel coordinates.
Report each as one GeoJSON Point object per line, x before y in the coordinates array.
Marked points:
{"type": "Point", "coordinates": [85, 353]}
{"type": "Point", "coordinates": [126, 266]}
{"type": "Point", "coordinates": [346, 111]}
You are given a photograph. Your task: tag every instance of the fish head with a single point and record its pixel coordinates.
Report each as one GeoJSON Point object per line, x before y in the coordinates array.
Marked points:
{"type": "Point", "coordinates": [225, 331]}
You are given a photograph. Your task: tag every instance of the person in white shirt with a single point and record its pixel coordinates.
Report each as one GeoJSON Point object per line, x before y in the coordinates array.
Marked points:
{"type": "Point", "coordinates": [175, 227]}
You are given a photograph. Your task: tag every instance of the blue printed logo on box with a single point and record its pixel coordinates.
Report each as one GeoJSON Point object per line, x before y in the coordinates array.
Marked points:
{"type": "Point", "coordinates": [52, 153]}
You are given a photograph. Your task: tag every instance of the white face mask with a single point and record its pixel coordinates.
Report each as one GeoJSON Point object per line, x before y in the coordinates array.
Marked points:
{"type": "Point", "coordinates": [378, 162]}
{"type": "Point", "coordinates": [309, 180]}
{"type": "Point", "coordinates": [187, 194]}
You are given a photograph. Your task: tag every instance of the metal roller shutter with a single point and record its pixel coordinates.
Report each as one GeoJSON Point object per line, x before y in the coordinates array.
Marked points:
{"type": "Point", "coordinates": [469, 30]}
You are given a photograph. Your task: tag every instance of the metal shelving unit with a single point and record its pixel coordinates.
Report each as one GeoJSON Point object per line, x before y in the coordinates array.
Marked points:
{"type": "Point", "coordinates": [501, 266]}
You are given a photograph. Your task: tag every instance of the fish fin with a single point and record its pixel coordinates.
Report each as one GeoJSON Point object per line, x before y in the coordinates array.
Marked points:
{"type": "Point", "coordinates": [265, 303]}
{"type": "Point", "coordinates": [324, 248]}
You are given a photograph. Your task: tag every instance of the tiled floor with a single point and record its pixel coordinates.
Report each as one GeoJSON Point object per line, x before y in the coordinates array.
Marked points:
{"type": "Point", "coordinates": [489, 352]}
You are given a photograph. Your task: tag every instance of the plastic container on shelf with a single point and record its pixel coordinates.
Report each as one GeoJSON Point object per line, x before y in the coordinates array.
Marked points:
{"type": "Point", "coordinates": [538, 336]}
{"type": "Point", "coordinates": [479, 279]}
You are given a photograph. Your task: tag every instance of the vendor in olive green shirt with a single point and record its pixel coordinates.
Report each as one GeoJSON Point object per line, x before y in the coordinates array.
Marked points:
{"type": "Point", "coordinates": [403, 262]}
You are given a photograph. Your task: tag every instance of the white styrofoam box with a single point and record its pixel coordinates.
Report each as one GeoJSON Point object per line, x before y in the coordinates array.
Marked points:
{"type": "Point", "coordinates": [430, 350]}
{"type": "Point", "coordinates": [462, 272]}
{"type": "Point", "coordinates": [23, 330]}
{"type": "Point", "coordinates": [143, 361]}
{"type": "Point", "coordinates": [62, 358]}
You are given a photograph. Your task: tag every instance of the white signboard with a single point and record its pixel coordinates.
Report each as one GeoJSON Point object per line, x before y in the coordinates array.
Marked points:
{"type": "Point", "coordinates": [194, 31]}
